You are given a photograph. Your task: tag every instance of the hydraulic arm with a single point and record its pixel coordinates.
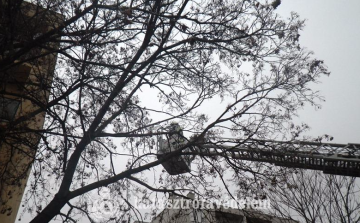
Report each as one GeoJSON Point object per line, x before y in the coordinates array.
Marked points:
{"type": "Point", "coordinates": [331, 158]}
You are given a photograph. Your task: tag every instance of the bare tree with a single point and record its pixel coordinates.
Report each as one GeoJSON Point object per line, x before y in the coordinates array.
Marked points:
{"type": "Point", "coordinates": [315, 197]}
{"type": "Point", "coordinates": [127, 69]}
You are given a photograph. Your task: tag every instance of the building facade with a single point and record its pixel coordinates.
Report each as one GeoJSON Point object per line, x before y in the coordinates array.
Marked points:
{"type": "Point", "coordinates": [216, 214]}
{"type": "Point", "coordinates": [25, 81]}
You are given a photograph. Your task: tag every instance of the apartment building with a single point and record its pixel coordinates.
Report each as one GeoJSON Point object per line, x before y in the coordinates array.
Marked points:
{"type": "Point", "coordinates": [215, 214]}
{"type": "Point", "coordinates": [24, 90]}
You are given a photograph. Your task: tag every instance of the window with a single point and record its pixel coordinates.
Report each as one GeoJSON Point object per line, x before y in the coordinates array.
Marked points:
{"type": "Point", "coordinates": [256, 220]}
{"type": "Point", "coordinates": [8, 108]}
{"type": "Point", "coordinates": [222, 217]}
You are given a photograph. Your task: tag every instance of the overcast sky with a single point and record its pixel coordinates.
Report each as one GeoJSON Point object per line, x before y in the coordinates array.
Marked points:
{"type": "Point", "coordinates": [333, 32]}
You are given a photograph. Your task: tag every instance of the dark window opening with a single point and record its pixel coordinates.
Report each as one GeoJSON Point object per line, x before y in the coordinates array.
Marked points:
{"type": "Point", "coordinates": [256, 220]}
{"type": "Point", "coordinates": [222, 217]}
{"type": "Point", "coordinates": [8, 108]}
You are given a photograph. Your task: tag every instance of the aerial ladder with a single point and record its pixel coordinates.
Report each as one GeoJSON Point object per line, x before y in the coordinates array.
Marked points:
{"type": "Point", "coordinates": [331, 158]}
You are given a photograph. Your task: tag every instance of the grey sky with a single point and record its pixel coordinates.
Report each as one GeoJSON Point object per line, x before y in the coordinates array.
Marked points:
{"type": "Point", "coordinates": [333, 32]}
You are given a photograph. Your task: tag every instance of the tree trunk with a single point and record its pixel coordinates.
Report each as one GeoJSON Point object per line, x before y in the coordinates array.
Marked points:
{"type": "Point", "coordinates": [51, 210]}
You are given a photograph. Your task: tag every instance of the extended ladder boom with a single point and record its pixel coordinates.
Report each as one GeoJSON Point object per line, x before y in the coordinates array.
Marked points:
{"type": "Point", "coordinates": [331, 158]}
